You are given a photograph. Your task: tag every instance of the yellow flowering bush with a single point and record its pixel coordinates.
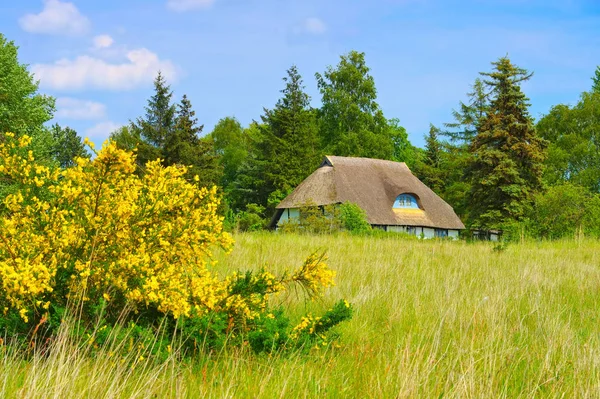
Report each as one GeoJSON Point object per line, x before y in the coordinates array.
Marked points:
{"type": "Point", "coordinates": [99, 235]}
{"type": "Point", "coordinates": [99, 230]}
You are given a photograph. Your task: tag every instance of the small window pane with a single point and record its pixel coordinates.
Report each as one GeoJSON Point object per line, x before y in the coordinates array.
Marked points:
{"type": "Point", "coordinates": [406, 201]}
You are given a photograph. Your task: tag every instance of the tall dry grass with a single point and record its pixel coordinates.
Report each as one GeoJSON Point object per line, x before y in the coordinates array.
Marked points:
{"type": "Point", "coordinates": [433, 319]}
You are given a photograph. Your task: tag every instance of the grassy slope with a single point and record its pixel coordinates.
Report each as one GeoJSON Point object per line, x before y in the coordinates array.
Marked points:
{"type": "Point", "coordinates": [432, 319]}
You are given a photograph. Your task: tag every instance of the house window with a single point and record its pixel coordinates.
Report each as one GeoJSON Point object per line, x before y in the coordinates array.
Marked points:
{"type": "Point", "coordinates": [406, 201]}
{"type": "Point", "coordinates": [441, 233]}
{"type": "Point", "coordinates": [411, 230]}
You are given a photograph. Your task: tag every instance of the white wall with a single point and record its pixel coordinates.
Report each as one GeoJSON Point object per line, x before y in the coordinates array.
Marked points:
{"type": "Point", "coordinates": [428, 232]}
{"type": "Point", "coordinates": [396, 229]}
{"type": "Point", "coordinates": [289, 214]}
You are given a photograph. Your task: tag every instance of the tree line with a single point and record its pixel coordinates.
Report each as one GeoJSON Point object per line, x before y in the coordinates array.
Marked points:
{"type": "Point", "coordinates": [496, 165]}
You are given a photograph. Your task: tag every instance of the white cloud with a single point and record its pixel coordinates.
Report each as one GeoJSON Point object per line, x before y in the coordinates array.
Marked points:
{"type": "Point", "coordinates": [186, 5]}
{"type": "Point", "coordinates": [314, 26]}
{"type": "Point", "coordinates": [56, 18]}
{"type": "Point", "coordinates": [103, 41]}
{"type": "Point", "coordinates": [73, 108]}
{"type": "Point", "coordinates": [90, 72]}
{"type": "Point", "coordinates": [100, 132]}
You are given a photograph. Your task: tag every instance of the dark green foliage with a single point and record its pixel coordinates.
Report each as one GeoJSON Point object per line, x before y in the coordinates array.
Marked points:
{"type": "Point", "coordinates": [159, 121]}
{"type": "Point", "coordinates": [271, 333]}
{"type": "Point", "coordinates": [251, 219]}
{"type": "Point", "coordinates": [340, 312]}
{"type": "Point", "coordinates": [573, 134]}
{"type": "Point", "coordinates": [353, 218]}
{"type": "Point", "coordinates": [171, 133]}
{"type": "Point", "coordinates": [451, 181]}
{"type": "Point", "coordinates": [456, 186]}
{"type": "Point", "coordinates": [67, 146]}
{"type": "Point", "coordinates": [151, 334]}
{"type": "Point", "coordinates": [285, 149]}
{"type": "Point", "coordinates": [351, 122]}
{"type": "Point", "coordinates": [507, 163]}
{"type": "Point", "coordinates": [183, 146]}
{"type": "Point", "coordinates": [468, 117]}
{"type": "Point", "coordinates": [431, 168]}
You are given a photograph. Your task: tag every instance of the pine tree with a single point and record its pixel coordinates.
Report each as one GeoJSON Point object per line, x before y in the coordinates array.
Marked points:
{"type": "Point", "coordinates": [596, 81]}
{"type": "Point", "coordinates": [429, 168]}
{"type": "Point", "coordinates": [456, 151]}
{"type": "Point", "coordinates": [507, 162]}
{"type": "Point", "coordinates": [433, 147]}
{"type": "Point", "coordinates": [287, 151]}
{"type": "Point", "coordinates": [158, 123]}
{"type": "Point", "coordinates": [183, 146]}
{"type": "Point", "coordinates": [468, 116]}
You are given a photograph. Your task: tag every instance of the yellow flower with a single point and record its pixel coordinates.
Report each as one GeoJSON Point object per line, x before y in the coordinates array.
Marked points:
{"type": "Point", "coordinates": [149, 239]}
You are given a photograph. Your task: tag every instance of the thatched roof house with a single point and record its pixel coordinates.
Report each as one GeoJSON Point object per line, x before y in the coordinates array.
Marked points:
{"type": "Point", "coordinates": [392, 197]}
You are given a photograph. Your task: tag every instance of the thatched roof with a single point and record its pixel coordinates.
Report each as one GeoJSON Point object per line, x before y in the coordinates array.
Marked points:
{"type": "Point", "coordinates": [373, 184]}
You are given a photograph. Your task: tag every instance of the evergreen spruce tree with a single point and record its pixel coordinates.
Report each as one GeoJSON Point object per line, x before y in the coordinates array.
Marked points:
{"type": "Point", "coordinates": [429, 168]}
{"type": "Point", "coordinates": [291, 133]}
{"type": "Point", "coordinates": [158, 123]}
{"type": "Point", "coordinates": [433, 148]}
{"type": "Point", "coordinates": [456, 151]}
{"type": "Point", "coordinates": [507, 155]}
{"type": "Point", "coordinates": [287, 150]}
{"type": "Point", "coordinates": [468, 116]}
{"type": "Point", "coordinates": [183, 146]}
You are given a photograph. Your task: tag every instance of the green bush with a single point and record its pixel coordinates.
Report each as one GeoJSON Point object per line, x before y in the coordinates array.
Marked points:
{"type": "Point", "coordinates": [565, 210]}
{"type": "Point", "coordinates": [314, 220]}
{"type": "Point", "coordinates": [328, 219]}
{"type": "Point", "coordinates": [353, 218]}
{"type": "Point", "coordinates": [251, 219]}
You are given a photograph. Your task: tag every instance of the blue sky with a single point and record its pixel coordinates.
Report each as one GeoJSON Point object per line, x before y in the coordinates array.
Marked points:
{"type": "Point", "coordinates": [98, 58]}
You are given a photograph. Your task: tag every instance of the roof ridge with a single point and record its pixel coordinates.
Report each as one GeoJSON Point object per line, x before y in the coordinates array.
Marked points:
{"type": "Point", "coordinates": [327, 159]}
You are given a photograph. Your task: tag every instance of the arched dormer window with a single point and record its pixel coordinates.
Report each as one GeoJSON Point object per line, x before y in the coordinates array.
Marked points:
{"type": "Point", "coordinates": [404, 201]}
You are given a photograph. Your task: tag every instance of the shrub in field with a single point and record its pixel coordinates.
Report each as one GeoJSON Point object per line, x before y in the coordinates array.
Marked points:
{"type": "Point", "coordinates": [98, 238]}
{"type": "Point", "coordinates": [251, 219]}
{"type": "Point", "coordinates": [565, 210]}
{"type": "Point", "coordinates": [328, 219]}
{"type": "Point", "coordinates": [353, 218]}
{"type": "Point", "coordinates": [314, 220]}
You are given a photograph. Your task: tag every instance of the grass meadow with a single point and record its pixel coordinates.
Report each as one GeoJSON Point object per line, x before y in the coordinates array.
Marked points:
{"type": "Point", "coordinates": [432, 319]}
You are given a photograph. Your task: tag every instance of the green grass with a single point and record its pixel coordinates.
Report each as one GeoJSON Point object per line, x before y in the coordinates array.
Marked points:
{"type": "Point", "coordinates": [432, 319]}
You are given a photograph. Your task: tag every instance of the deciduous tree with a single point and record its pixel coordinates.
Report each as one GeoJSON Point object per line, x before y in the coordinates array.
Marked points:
{"type": "Point", "coordinates": [351, 122]}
